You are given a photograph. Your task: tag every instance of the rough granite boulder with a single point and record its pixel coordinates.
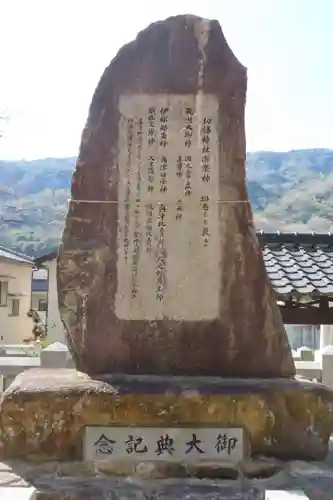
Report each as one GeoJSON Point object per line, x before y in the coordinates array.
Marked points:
{"type": "Point", "coordinates": [160, 271]}
{"type": "Point", "coordinates": [43, 415]}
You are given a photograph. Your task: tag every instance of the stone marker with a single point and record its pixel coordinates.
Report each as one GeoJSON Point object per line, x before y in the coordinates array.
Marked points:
{"type": "Point", "coordinates": [160, 271]}
{"type": "Point", "coordinates": [162, 286]}
{"type": "Point", "coordinates": [305, 353]}
{"type": "Point", "coordinates": [54, 356]}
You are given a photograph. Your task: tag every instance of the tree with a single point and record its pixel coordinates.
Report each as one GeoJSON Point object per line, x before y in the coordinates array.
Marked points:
{"type": "Point", "coordinates": [38, 329]}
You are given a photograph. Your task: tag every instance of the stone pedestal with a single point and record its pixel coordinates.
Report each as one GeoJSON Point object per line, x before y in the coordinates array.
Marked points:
{"type": "Point", "coordinates": [44, 413]}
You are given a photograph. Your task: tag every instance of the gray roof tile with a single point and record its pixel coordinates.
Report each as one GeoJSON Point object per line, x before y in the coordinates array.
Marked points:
{"type": "Point", "coordinates": [296, 263]}
{"type": "Point", "coordinates": [299, 264]}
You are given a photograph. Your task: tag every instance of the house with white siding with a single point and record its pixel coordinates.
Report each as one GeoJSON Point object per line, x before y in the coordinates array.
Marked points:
{"type": "Point", "coordinates": [15, 296]}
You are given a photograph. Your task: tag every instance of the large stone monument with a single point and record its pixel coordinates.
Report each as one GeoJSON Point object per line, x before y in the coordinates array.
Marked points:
{"type": "Point", "coordinates": [160, 271]}
{"type": "Point", "coordinates": [180, 349]}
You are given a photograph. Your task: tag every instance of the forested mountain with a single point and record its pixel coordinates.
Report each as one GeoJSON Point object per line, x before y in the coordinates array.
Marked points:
{"type": "Point", "coordinates": [290, 191]}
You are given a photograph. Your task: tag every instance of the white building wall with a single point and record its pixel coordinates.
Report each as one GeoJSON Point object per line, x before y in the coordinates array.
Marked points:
{"type": "Point", "coordinates": [16, 329]}
{"type": "Point", "coordinates": [326, 336]}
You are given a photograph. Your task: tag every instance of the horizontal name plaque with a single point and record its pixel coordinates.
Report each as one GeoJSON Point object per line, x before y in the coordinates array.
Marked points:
{"type": "Point", "coordinates": [175, 444]}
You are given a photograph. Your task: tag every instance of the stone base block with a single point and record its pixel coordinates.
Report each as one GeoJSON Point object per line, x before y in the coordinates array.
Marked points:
{"type": "Point", "coordinates": [77, 481]}
{"type": "Point", "coordinates": [44, 412]}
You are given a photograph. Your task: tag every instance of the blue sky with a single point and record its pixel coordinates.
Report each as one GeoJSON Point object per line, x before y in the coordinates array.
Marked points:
{"type": "Point", "coordinates": [53, 53]}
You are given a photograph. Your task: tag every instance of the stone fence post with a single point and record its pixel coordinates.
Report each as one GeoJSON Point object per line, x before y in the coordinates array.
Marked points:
{"type": "Point", "coordinates": [306, 354]}
{"type": "Point", "coordinates": [327, 366]}
{"type": "Point", "coordinates": [55, 356]}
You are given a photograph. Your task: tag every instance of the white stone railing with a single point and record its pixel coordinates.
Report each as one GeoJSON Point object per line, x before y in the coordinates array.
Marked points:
{"type": "Point", "coordinates": [54, 356]}
{"type": "Point", "coordinates": [17, 493]}
{"type": "Point", "coordinates": [313, 365]}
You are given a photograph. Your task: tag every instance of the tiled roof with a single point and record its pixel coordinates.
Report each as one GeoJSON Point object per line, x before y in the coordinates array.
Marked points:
{"type": "Point", "coordinates": [299, 264]}
{"type": "Point", "coordinates": [5, 253]}
{"type": "Point", "coordinates": [45, 258]}
{"type": "Point", "coordinates": [296, 263]}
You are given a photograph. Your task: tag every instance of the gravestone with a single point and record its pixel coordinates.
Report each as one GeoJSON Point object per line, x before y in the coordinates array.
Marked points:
{"type": "Point", "coordinates": [159, 270]}
{"type": "Point", "coordinates": [182, 360]}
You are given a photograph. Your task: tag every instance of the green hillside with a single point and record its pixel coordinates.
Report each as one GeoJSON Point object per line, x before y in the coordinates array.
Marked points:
{"type": "Point", "coordinates": [290, 191]}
